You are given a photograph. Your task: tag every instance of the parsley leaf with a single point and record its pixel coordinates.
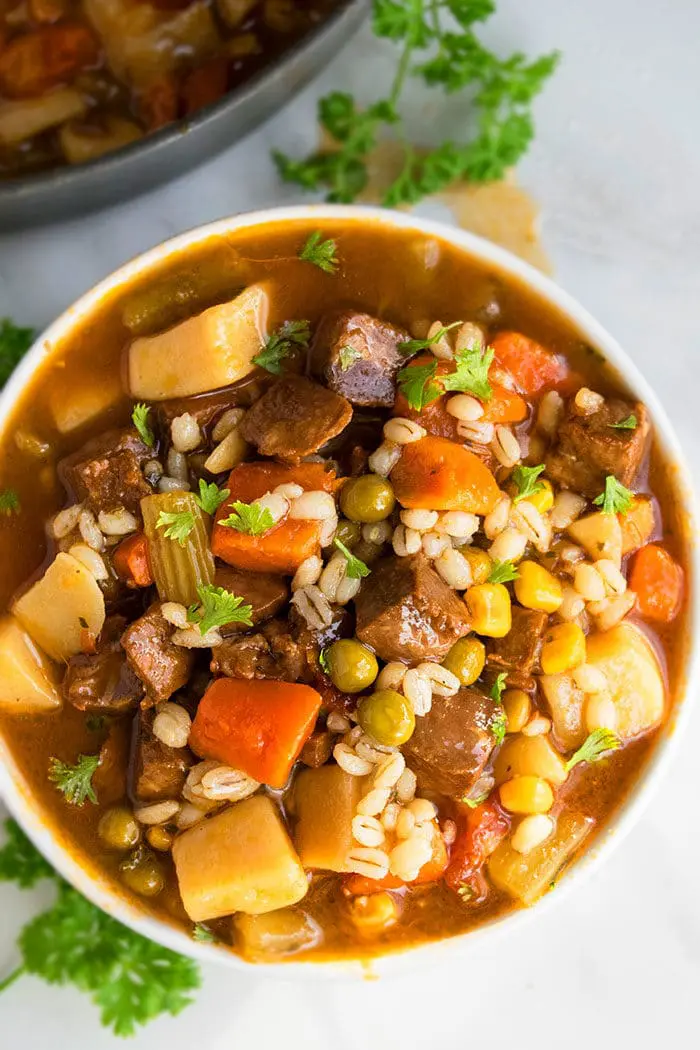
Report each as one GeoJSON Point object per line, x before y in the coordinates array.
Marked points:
{"type": "Point", "coordinates": [218, 607]}
{"type": "Point", "coordinates": [321, 253]}
{"type": "Point", "coordinates": [474, 802]}
{"type": "Point", "coordinates": [323, 661]}
{"type": "Point", "coordinates": [498, 726]}
{"type": "Point", "coordinates": [355, 568]}
{"type": "Point", "coordinates": [413, 346]}
{"type": "Point", "coordinates": [9, 502]}
{"type": "Point", "coordinates": [503, 572]}
{"type": "Point", "coordinates": [348, 355]}
{"type": "Point", "coordinates": [211, 497]}
{"type": "Point", "coordinates": [20, 861]}
{"type": "Point", "coordinates": [498, 687]}
{"type": "Point", "coordinates": [75, 781]}
{"type": "Point", "coordinates": [249, 518]}
{"type": "Point", "coordinates": [472, 372]}
{"type": "Point", "coordinates": [281, 343]}
{"type": "Point", "coordinates": [140, 420]}
{"type": "Point", "coordinates": [616, 499]}
{"type": "Point", "coordinates": [596, 744]}
{"type": "Point", "coordinates": [630, 423]}
{"type": "Point", "coordinates": [525, 480]}
{"type": "Point", "coordinates": [417, 385]}
{"type": "Point", "coordinates": [177, 524]}
{"type": "Point", "coordinates": [14, 343]}
{"type": "Point", "coordinates": [203, 935]}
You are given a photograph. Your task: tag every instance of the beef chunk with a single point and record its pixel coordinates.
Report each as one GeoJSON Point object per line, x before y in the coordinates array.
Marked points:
{"type": "Point", "coordinates": [266, 593]}
{"type": "Point", "coordinates": [405, 611]}
{"type": "Point", "coordinates": [162, 666]}
{"type": "Point", "coordinates": [157, 771]}
{"type": "Point", "coordinates": [270, 653]}
{"type": "Point", "coordinates": [520, 649]}
{"type": "Point", "coordinates": [317, 749]}
{"type": "Point", "coordinates": [207, 408]}
{"type": "Point", "coordinates": [295, 418]}
{"type": "Point", "coordinates": [103, 681]}
{"type": "Point", "coordinates": [588, 448]}
{"type": "Point", "coordinates": [358, 356]}
{"type": "Point", "coordinates": [106, 472]}
{"type": "Point", "coordinates": [453, 742]}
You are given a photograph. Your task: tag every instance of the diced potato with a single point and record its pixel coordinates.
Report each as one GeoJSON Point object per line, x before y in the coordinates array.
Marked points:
{"type": "Point", "coordinates": [634, 677]}
{"type": "Point", "coordinates": [529, 756]}
{"type": "Point", "coordinates": [206, 352]}
{"type": "Point", "coordinates": [528, 876]}
{"type": "Point", "coordinates": [637, 524]}
{"type": "Point", "coordinates": [24, 118]}
{"type": "Point", "coordinates": [600, 536]}
{"type": "Point", "coordinates": [325, 801]}
{"type": "Point", "coordinates": [239, 860]}
{"type": "Point", "coordinates": [271, 936]}
{"type": "Point", "coordinates": [29, 682]}
{"type": "Point", "coordinates": [77, 406]}
{"type": "Point", "coordinates": [566, 708]}
{"type": "Point", "coordinates": [62, 607]}
{"type": "Point", "coordinates": [80, 144]}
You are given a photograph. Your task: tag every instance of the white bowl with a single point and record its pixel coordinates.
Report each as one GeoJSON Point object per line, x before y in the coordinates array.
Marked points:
{"type": "Point", "coordinates": [17, 793]}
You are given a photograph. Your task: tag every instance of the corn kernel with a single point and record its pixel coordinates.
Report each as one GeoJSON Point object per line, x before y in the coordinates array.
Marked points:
{"type": "Point", "coordinates": [536, 588]}
{"type": "Point", "coordinates": [526, 795]}
{"type": "Point", "coordinates": [479, 563]}
{"type": "Point", "coordinates": [564, 648]}
{"type": "Point", "coordinates": [489, 606]}
{"type": "Point", "coordinates": [543, 500]}
{"type": "Point", "coordinates": [516, 704]}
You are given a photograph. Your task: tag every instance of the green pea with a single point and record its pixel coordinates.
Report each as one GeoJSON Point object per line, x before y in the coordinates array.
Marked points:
{"type": "Point", "coordinates": [351, 665]}
{"type": "Point", "coordinates": [367, 498]}
{"type": "Point", "coordinates": [348, 532]}
{"type": "Point", "coordinates": [118, 828]}
{"type": "Point", "coordinates": [387, 716]}
{"type": "Point", "coordinates": [466, 660]}
{"type": "Point", "coordinates": [142, 873]}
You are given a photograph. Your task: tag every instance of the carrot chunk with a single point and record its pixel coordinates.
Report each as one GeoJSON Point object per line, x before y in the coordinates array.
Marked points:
{"type": "Point", "coordinates": [38, 61]}
{"type": "Point", "coordinates": [533, 367]}
{"type": "Point", "coordinates": [131, 561]}
{"type": "Point", "coordinates": [257, 726]}
{"type": "Point", "coordinates": [205, 85]}
{"type": "Point", "coordinates": [436, 474]}
{"type": "Point", "coordinates": [658, 581]}
{"type": "Point", "coordinates": [285, 547]}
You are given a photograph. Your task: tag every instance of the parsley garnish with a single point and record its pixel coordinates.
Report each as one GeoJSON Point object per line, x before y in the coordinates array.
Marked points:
{"type": "Point", "coordinates": [218, 607]}
{"type": "Point", "coordinates": [525, 480]}
{"type": "Point", "coordinates": [281, 343]}
{"type": "Point", "coordinates": [503, 572]}
{"type": "Point", "coordinates": [439, 46]}
{"type": "Point", "coordinates": [616, 499]}
{"type": "Point", "coordinates": [417, 385]}
{"type": "Point", "coordinates": [9, 502]}
{"type": "Point", "coordinates": [472, 373]}
{"type": "Point", "coordinates": [321, 253]}
{"type": "Point", "coordinates": [203, 934]}
{"type": "Point", "coordinates": [210, 497]}
{"type": "Point", "coordinates": [20, 862]}
{"type": "Point", "coordinates": [14, 343]}
{"type": "Point", "coordinates": [249, 518]}
{"type": "Point", "coordinates": [498, 726]}
{"type": "Point", "coordinates": [625, 424]}
{"type": "Point", "coordinates": [498, 687]}
{"type": "Point", "coordinates": [75, 781]}
{"type": "Point", "coordinates": [140, 420]}
{"type": "Point", "coordinates": [413, 346]}
{"type": "Point", "coordinates": [594, 746]}
{"type": "Point", "coordinates": [177, 524]}
{"type": "Point", "coordinates": [323, 661]}
{"type": "Point", "coordinates": [474, 802]}
{"type": "Point", "coordinates": [348, 355]}
{"type": "Point", "coordinates": [354, 568]}
{"type": "Point", "coordinates": [95, 723]}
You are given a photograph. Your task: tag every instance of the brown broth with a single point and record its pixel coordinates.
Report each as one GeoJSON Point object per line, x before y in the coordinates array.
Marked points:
{"type": "Point", "coordinates": [383, 271]}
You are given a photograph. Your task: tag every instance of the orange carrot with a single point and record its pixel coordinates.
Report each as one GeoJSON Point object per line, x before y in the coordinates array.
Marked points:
{"type": "Point", "coordinates": [505, 406]}
{"type": "Point", "coordinates": [285, 547]}
{"type": "Point", "coordinates": [436, 474]}
{"type": "Point", "coordinates": [257, 726]}
{"type": "Point", "coordinates": [35, 62]}
{"type": "Point", "coordinates": [432, 870]}
{"type": "Point", "coordinates": [533, 367]}
{"type": "Point", "coordinates": [205, 85]}
{"type": "Point", "coordinates": [131, 561]}
{"type": "Point", "coordinates": [657, 580]}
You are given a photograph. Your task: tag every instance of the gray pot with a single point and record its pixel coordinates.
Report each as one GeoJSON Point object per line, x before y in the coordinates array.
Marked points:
{"type": "Point", "coordinates": [69, 191]}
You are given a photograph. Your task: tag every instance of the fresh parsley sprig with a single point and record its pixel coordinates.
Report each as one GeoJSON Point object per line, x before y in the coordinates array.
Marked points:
{"type": "Point", "coordinates": [596, 744]}
{"type": "Point", "coordinates": [629, 423]}
{"type": "Point", "coordinates": [525, 481]}
{"type": "Point", "coordinates": [347, 356]}
{"type": "Point", "coordinates": [75, 782]}
{"type": "Point", "coordinates": [498, 727]}
{"type": "Point", "coordinates": [355, 568]}
{"type": "Point", "coordinates": [249, 518]}
{"type": "Point", "coordinates": [178, 524]}
{"type": "Point", "coordinates": [474, 802]}
{"type": "Point", "coordinates": [438, 44]}
{"type": "Point", "coordinates": [20, 862]}
{"type": "Point", "coordinates": [503, 572]}
{"type": "Point", "coordinates": [217, 608]}
{"type": "Point", "coordinates": [471, 375]}
{"type": "Point", "coordinates": [210, 497]}
{"type": "Point", "coordinates": [418, 386]}
{"type": "Point", "coordinates": [616, 499]}
{"type": "Point", "coordinates": [280, 345]}
{"type": "Point", "coordinates": [498, 687]}
{"type": "Point", "coordinates": [9, 502]}
{"type": "Point", "coordinates": [320, 253]}
{"type": "Point", "coordinates": [14, 343]}
{"type": "Point", "coordinates": [140, 420]}
{"type": "Point", "coordinates": [413, 346]}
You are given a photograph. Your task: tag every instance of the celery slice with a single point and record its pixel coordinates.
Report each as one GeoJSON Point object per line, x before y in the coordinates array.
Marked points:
{"type": "Point", "coordinates": [178, 569]}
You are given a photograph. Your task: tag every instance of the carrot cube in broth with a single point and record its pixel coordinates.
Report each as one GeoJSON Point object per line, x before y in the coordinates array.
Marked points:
{"type": "Point", "coordinates": [437, 474]}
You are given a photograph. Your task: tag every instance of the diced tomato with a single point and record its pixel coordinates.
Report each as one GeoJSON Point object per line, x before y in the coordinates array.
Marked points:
{"type": "Point", "coordinates": [482, 830]}
{"type": "Point", "coordinates": [533, 368]}
{"type": "Point", "coordinates": [38, 61]}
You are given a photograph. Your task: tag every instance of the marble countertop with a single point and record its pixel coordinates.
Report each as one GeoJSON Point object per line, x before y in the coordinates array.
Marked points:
{"type": "Point", "coordinates": [616, 167]}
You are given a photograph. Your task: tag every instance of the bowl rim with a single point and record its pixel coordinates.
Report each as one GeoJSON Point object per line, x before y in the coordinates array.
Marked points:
{"type": "Point", "coordinates": [16, 792]}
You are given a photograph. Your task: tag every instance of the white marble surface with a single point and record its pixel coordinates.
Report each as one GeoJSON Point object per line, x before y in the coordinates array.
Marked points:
{"type": "Point", "coordinates": [617, 168]}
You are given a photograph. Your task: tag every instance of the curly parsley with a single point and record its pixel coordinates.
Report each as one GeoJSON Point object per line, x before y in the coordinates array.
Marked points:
{"type": "Point", "coordinates": [503, 572]}
{"type": "Point", "coordinates": [596, 744]}
{"type": "Point", "coordinates": [320, 253]}
{"type": "Point", "coordinates": [140, 420]}
{"type": "Point", "coordinates": [249, 518]}
{"type": "Point", "coordinates": [14, 343]}
{"type": "Point", "coordinates": [280, 345]}
{"type": "Point", "coordinates": [414, 346]}
{"type": "Point", "coordinates": [525, 481]}
{"type": "Point", "coordinates": [75, 782]}
{"type": "Point", "coordinates": [210, 497]}
{"type": "Point", "coordinates": [178, 524]}
{"type": "Point", "coordinates": [418, 386]}
{"type": "Point", "coordinates": [616, 499]}
{"type": "Point", "coordinates": [471, 376]}
{"type": "Point", "coordinates": [498, 687]}
{"type": "Point", "coordinates": [217, 608]}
